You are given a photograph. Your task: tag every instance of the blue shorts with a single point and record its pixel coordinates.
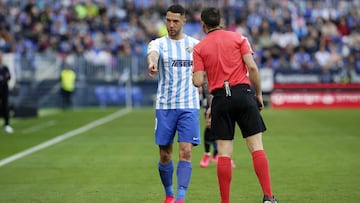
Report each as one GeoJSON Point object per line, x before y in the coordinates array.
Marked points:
{"type": "Point", "coordinates": [184, 121]}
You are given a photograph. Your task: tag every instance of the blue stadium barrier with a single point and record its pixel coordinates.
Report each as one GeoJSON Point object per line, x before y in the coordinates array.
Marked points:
{"type": "Point", "coordinates": [137, 95]}
{"type": "Point", "coordinates": [112, 95]}
{"type": "Point", "coordinates": [115, 95]}
{"type": "Point", "coordinates": [100, 95]}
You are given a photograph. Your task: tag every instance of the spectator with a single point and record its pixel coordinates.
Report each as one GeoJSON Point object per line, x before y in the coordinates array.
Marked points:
{"type": "Point", "coordinates": [302, 60]}
{"type": "Point", "coordinates": [51, 26]}
{"type": "Point", "coordinates": [323, 57]}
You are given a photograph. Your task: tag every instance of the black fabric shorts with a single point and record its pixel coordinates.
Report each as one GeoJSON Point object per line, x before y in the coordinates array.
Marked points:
{"type": "Point", "coordinates": [240, 108]}
{"type": "Point", "coordinates": [209, 136]}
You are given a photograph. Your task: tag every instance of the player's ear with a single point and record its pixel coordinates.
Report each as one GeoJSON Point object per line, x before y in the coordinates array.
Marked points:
{"type": "Point", "coordinates": [203, 26]}
{"type": "Point", "coordinates": [183, 19]}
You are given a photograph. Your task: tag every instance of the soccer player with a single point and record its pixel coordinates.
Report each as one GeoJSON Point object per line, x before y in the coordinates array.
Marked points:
{"type": "Point", "coordinates": [4, 95]}
{"type": "Point", "coordinates": [226, 58]}
{"type": "Point", "coordinates": [209, 138]}
{"type": "Point", "coordinates": [177, 102]}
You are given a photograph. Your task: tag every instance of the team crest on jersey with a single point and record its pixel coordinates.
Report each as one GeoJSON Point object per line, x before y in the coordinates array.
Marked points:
{"type": "Point", "coordinates": [189, 49]}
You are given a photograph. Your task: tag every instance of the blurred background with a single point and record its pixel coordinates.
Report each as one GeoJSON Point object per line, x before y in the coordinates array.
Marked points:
{"type": "Point", "coordinates": [308, 51]}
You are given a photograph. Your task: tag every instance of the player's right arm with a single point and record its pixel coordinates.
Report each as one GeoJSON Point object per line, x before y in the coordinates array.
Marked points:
{"type": "Point", "coordinates": [153, 58]}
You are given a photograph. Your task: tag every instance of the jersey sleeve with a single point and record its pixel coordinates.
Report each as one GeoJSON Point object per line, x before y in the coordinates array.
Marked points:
{"type": "Point", "coordinates": [153, 46]}
{"type": "Point", "coordinates": [245, 46]}
{"type": "Point", "coordinates": [198, 62]}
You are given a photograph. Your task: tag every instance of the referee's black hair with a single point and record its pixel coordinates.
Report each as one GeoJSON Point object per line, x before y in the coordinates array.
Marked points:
{"type": "Point", "coordinates": [176, 8]}
{"type": "Point", "coordinates": [211, 17]}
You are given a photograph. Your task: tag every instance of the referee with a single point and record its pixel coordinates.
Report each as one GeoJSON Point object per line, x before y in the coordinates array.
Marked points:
{"type": "Point", "coordinates": [226, 58]}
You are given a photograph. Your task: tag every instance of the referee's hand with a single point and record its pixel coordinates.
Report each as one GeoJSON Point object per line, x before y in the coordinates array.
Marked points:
{"type": "Point", "coordinates": [260, 102]}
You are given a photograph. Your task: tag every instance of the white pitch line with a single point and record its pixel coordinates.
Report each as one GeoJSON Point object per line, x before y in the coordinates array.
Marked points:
{"type": "Point", "coordinates": [38, 127]}
{"type": "Point", "coordinates": [65, 136]}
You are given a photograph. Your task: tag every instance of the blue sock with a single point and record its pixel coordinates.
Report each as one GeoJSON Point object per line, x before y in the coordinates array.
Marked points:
{"type": "Point", "coordinates": [166, 172]}
{"type": "Point", "coordinates": [183, 172]}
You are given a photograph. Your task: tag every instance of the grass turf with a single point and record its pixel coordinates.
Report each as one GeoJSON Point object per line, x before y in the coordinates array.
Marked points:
{"type": "Point", "coordinates": [313, 154]}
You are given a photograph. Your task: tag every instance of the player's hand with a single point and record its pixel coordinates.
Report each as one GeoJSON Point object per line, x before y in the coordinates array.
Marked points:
{"type": "Point", "coordinates": [208, 118]}
{"type": "Point", "coordinates": [152, 70]}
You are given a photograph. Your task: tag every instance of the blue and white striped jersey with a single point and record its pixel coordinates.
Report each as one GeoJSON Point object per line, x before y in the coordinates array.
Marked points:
{"type": "Point", "coordinates": [175, 88]}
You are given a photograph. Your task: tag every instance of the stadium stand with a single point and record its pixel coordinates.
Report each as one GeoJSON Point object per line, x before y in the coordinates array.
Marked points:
{"type": "Point", "coordinates": [105, 39]}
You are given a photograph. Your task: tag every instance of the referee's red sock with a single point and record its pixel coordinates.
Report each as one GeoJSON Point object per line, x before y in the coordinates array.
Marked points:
{"type": "Point", "coordinates": [224, 173]}
{"type": "Point", "coordinates": [261, 166]}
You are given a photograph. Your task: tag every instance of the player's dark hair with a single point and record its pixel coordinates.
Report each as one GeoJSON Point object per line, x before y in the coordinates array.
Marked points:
{"type": "Point", "coordinates": [176, 8]}
{"type": "Point", "coordinates": [211, 17]}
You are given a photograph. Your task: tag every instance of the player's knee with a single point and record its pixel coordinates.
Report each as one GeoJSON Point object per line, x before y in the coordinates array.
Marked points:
{"type": "Point", "coordinates": [185, 154]}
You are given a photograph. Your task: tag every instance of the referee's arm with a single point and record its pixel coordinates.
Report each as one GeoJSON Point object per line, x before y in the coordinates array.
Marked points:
{"type": "Point", "coordinates": [198, 78]}
{"type": "Point", "coordinates": [254, 77]}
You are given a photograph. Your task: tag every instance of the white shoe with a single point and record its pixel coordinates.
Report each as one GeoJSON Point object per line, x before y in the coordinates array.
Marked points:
{"type": "Point", "coordinates": [9, 129]}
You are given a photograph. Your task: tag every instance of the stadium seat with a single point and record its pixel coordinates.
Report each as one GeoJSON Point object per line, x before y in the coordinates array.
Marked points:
{"type": "Point", "coordinates": [101, 95]}
{"type": "Point", "coordinates": [137, 95]}
{"type": "Point", "coordinates": [121, 91]}
{"type": "Point", "coordinates": [112, 94]}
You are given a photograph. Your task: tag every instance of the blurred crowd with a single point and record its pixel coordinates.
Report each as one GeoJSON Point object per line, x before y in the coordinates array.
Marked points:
{"type": "Point", "coordinates": [285, 34]}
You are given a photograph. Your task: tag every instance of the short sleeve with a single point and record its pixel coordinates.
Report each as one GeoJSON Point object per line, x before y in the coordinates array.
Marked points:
{"type": "Point", "coordinates": [153, 46]}
{"type": "Point", "coordinates": [198, 62]}
{"type": "Point", "coordinates": [245, 46]}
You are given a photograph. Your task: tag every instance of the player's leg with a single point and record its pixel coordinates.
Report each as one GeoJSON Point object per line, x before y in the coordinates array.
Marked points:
{"type": "Point", "coordinates": [207, 144]}
{"type": "Point", "coordinates": [5, 111]}
{"type": "Point", "coordinates": [212, 140]}
{"type": "Point", "coordinates": [166, 170]}
{"type": "Point", "coordinates": [260, 163]}
{"type": "Point", "coordinates": [188, 136]}
{"type": "Point", "coordinates": [184, 170]}
{"type": "Point", "coordinates": [215, 152]}
{"type": "Point", "coordinates": [215, 157]}
{"type": "Point", "coordinates": [224, 168]}
{"type": "Point", "coordinates": [4, 107]}
{"type": "Point", "coordinates": [252, 126]}
{"type": "Point", "coordinates": [223, 127]}
{"type": "Point", "coordinates": [164, 135]}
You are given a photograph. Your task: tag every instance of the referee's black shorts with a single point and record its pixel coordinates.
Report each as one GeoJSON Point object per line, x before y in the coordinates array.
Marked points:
{"type": "Point", "coordinates": [240, 108]}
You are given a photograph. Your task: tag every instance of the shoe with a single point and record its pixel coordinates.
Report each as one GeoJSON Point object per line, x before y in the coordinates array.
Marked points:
{"type": "Point", "coordinates": [9, 129]}
{"type": "Point", "coordinates": [169, 199]}
{"type": "Point", "coordinates": [180, 201]}
{"type": "Point", "coordinates": [267, 199]}
{"type": "Point", "coordinates": [215, 159]}
{"type": "Point", "coordinates": [205, 161]}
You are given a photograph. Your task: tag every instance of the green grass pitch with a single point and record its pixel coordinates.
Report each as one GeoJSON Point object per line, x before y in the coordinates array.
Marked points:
{"type": "Point", "coordinates": [313, 154]}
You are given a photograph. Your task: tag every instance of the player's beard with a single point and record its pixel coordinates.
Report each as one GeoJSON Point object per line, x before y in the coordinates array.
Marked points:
{"type": "Point", "coordinates": [174, 33]}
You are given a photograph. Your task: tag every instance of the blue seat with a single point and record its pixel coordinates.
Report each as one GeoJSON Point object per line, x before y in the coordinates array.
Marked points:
{"type": "Point", "coordinates": [112, 94]}
{"type": "Point", "coordinates": [116, 95]}
{"type": "Point", "coordinates": [136, 95]}
{"type": "Point", "coordinates": [101, 95]}
{"type": "Point", "coordinates": [121, 92]}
